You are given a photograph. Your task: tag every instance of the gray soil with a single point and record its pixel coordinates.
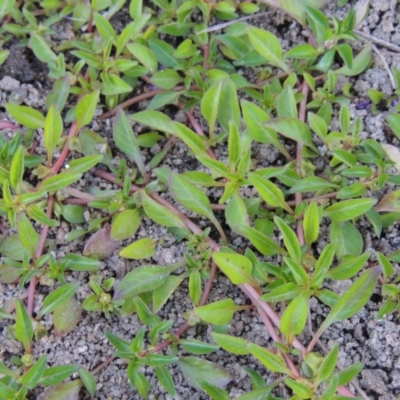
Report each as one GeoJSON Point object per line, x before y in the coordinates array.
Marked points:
{"type": "Point", "coordinates": [361, 338]}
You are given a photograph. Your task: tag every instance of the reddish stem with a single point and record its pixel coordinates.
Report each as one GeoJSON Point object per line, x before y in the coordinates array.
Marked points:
{"type": "Point", "coordinates": [39, 253]}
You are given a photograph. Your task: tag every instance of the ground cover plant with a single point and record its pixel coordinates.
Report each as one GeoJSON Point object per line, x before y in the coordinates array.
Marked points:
{"type": "Point", "coordinates": [219, 87]}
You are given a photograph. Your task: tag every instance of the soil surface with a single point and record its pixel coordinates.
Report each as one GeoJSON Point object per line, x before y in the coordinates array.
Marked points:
{"type": "Point", "coordinates": [361, 338]}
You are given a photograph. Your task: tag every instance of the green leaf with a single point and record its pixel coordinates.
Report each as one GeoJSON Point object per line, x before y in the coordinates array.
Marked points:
{"type": "Point", "coordinates": [292, 128]}
{"type": "Point", "coordinates": [268, 46]}
{"type": "Point", "coordinates": [193, 141]}
{"type": "Point", "coordinates": [66, 316]}
{"type": "Point", "coordinates": [312, 184]}
{"type": "Point", "coordinates": [349, 209]}
{"type": "Point", "coordinates": [57, 374]}
{"type": "Point", "coordinates": [264, 244]}
{"type": "Point", "coordinates": [83, 164]}
{"type": "Point", "coordinates": [210, 105]}
{"type": "Point", "coordinates": [300, 389]}
{"type": "Point", "coordinates": [163, 52]}
{"type": "Point", "coordinates": [64, 391]}
{"type": "Point", "coordinates": [144, 313]}
{"type": "Point", "coordinates": [28, 235]}
{"type": "Point", "coordinates": [348, 268]}
{"type": "Point", "coordinates": [294, 318]}
{"type": "Point", "coordinates": [228, 107]}
{"type": "Point", "coordinates": [17, 169]}
{"type": "Point", "coordinates": [214, 392]}
{"type": "Point", "coordinates": [318, 125]}
{"type": "Point", "coordinates": [23, 326]}
{"type": "Point", "coordinates": [323, 264]}
{"type": "Point", "coordinates": [32, 377]}
{"type": "Point", "coordinates": [165, 291]}
{"type": "Point", "coordinates": [57, 297]}
{"type": "Point", "coordinates": [58, 182]}
{"type": "Point", "coordinates": [60, 93]}
{"type": "Point", "coordinates": [231, 344]}
{"type": "Point", "coordinates": [273, 362]}
{"type": "Point", "coordinates": [346, 53]}
{"type": "Point", "coordinates": [286, 103]}
{"type": "Point", "coordinates": [360, 63]}
{"type": "Point", "coordinates": [311, 223]}
{"type": "Point", "coordinates": [393, 121]}
{"type": "Point", "coordinates": [340, 234]}
{"type": "Point", "coordinates": [198, 347]}
{"type": "Point", "coordinates": [120, 344]}
{"type": "Point", "coordinates": [159, 213]}
{"type": "Point", "coordinates": [6, 7]}
{"type": "Point", "coordinates": [346, 375]}
{"type": "Point", "coordinates": [300, 275]}
{"type": "Point", "coordinates": [135, 8]}
{"type": "Point", "coordinates": [53, 129]}
{"type": "Point", "coordinates": [144, 55]}
{"type": "Point", "coordinates": [143, 279]}
{"type": "Point", "coordinates": [165, 379]}
{"type": "Point", "coordinates": [104, 28]}
{"type": "Point", "coordinates": [355, 298]}
{"type": "Point", "coordinates": [26, 116]}
{"type": "Point", "coordinates": [37, 214]}
{"type": "Point", "coordinates": [142, 248]}
{"type": "Point", "coordinates": [113, 85]}
{"type": "Point", "coordinates": [125, 224]}
{"type": "Point", "coordinates": [156, 120]}
{"type": "Point", "coordinates": [219, 312]}
{"type": "Point", "coordinates": [41, 49]}
{"type": "Point", "coordinates": [88, 381]}
{"type": "Point", "coordinates": [290, 239]}
{"type": "Point", "coordinates": [328, 365]}
{"type": "Point", "coordinates": [269, 192]}
{"type": "Point", "coordinates": [192, 198]}
{"type": "Point", "coordinates": [195, 286]}
{"type": "Point", "coordinates": [76, 262]}
{"type": "Point", "coordinates": [236, 213]}
{"type": "Point", "coordinates": [166, 79]}
{"type": "Point", "coordinates": [236, 267]}
{"type": "Point", "coordinates": [261, 393]}
{"type": "Point", "coordinates": [196, 370]}
{"type": "Point", "coordinates": [85, 109]}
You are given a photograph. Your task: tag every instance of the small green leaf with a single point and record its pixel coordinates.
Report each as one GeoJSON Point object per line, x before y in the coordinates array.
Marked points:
{"type": "Point", "coordinates": [166, 79]}
{"type": "Point", "coordinates": [348, 268]}
{"type": "Point", "coordinates": [214, 392]}
{"type": "Point", "coordinates": [349, 209]}
{"type": "Point", "coordinates": [218, 313]}
{"type": "Point", "coordinates": [192, 198]}
{"type": "Point", "coordinates": [273, 362]}
{"type": "Point", "coordinates": [135, 8]}
{"type": "Point", "coordinates": [155, 119]}
{"type": "Point", "coordinates": [359, 64]}
{"type": "Point", "coordinates": [26, 116]}
{"type": "Point", "coordinates": [292, 128]}
{"type": "Point", "coordinates": [58, 297]}
{"type": "Point", "coordinates": [286, 103]}
{"type": "Point", "coordinates": [196, 370]}
{"type": "Point", "coordinates": [58, 182]}
{"type": "Point", "coordinates": [340, 234]}
{"type": "Point", "coordinates": [143, 279]}
{"type": "Point", "coordinates": [312, 184]}
{"type": "Point", "coordinates": [193, 141]}
{"type": "Point", "coordinates": [53, 129]}
{"type": "Point", "coordinates": [328, 365]}
{"type": "Point", "coordinates": [144, 55]}
{"type": "Point", "coordinates": [142, 248]}
{"type": "Point", "coordinates": [37, 214]}
{"type": "Point", "coordinates": [159, 213]}
{"type": "Point", "coordinates": [290, 239]}
{"type": "Point", "coordinates": [88, 381]}
{"type": "Point", "coordinates": [311, 223]}
{"type": "Point", "coordinates": [231, 344]}
{"type": "Point", "coordinates": [198, 347]}
{"type": "Point", "coordinates": [195, 286]}
{"type": "Point", "coordinates": [17, 169]}
{"type": "Point", "coordinates": [236, 267]}
{"type": "Point", "coordinates": [28, 235]}
{"type": "Point", "coordinates": [165, 291]}
{"type": "Point", "coordinates": [32, 377]}
{"type": "Point", "coordinates": [346, 375]}
{"type": "Point", "coordinates": [85, 109]}
{"type": "Point", "coordinates": [57, 374]}
{"type": "Point", "coordinates": [104, 28]}
{"type": "Point", "coordinates": [355, 297]}
{"type": "Point", "coordinates": [269, 192]}
{"type": "Point", "coordinates": [66, 316]}
{"type": "Point", "coordinates": [23, 326]}
{"type": "Point", "coordinates": [41, 49]}
{"type": "Point", "coordinates": [323, 264]}
{"type": "Point", "coordinates": [125, 224]}
{"type": "Point", "coordinates": [268, 45]}
{"type": "Point", "coordinates": [294, 318]}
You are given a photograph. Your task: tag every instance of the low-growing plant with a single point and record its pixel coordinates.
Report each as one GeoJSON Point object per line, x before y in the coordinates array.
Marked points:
{"type": "Point", "coordinates": [286, 98]}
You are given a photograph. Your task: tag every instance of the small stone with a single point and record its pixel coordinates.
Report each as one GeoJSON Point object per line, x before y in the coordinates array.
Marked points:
{"type": "Point", "coordinates": [9, 84]}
